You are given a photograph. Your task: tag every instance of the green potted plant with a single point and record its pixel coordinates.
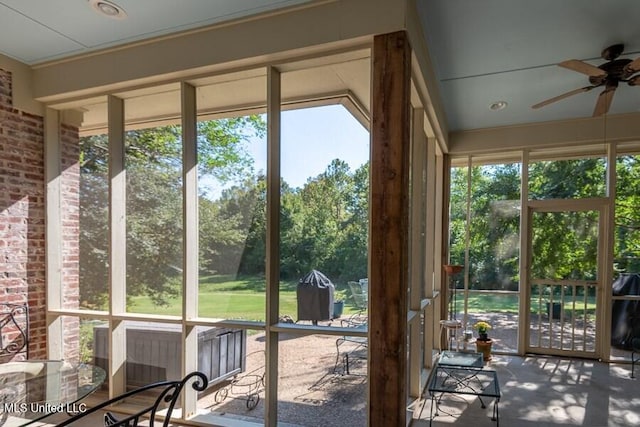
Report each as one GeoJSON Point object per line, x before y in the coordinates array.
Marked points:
{"type": "Point", "coordinates": [483, 342]}
{"type": "Point", "coordinates": [339, 296]}
{"type": "Point", "coordinates": [483, 330]}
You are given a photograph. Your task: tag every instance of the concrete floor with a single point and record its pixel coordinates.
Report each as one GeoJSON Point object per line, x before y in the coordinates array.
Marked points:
{"type": "Point", "coordinates": [535, 391]}
{"type": "Point", "coordinates": [548, 391]}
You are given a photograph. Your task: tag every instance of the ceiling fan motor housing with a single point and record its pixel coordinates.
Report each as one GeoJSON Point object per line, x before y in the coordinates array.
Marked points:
{"type": "Point", "coordinates": [615, 70]}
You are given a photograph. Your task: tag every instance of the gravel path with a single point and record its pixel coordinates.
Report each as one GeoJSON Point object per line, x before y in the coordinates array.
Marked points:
{"type": "Point", "coordinates": [313, 390]}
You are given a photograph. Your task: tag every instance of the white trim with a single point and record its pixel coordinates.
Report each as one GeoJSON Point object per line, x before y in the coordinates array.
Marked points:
{"type": "Point", "coordinates": [190, 253]}
{"type": "Point", "coordinates": [572, 134]}
{"type": "Point", "coordinates": [273, 244]}
{"type": "Point", "coordinates": [323, 27]}
{"type": "Point", "coordinates": [53, 231]}
{"type": "Point", "coordinates": [117, 245]}
{"type": "Point", "coordinates": [345, 98]}
{"type": "Point", "coordinates": [600, 205]}
{"type": "Point", "coordinates": [609, 248]}
{"type": "Point", "coordinates": [418, 243]}
{"type": "Point", "coordinates": [523, 286]}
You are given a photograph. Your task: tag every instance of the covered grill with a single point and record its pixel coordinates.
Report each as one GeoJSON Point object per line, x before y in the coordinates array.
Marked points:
{"type": "Point", "coordinates": [315, 297]}
{"type": "Point", "coordinates": [625, 314]}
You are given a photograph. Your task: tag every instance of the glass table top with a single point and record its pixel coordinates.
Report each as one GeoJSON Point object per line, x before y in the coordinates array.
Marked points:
{"type": "Point", "coordinates": [459, 358]}
{"type": "Point", "coordinates": [32, 389]}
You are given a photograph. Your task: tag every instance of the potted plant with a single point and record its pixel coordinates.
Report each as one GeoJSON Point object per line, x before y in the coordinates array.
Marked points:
{"type": "Point", "coordinates": [338, 302]}
{"type": "Point", "coordinates": [452, 269]}
{"type": "Point", "coordinates": [483, 343]}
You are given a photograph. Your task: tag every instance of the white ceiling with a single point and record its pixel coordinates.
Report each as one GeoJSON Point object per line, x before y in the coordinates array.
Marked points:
{"type": "Point", "coordinates": [34, 31]}
{"type": "Point", "coordinates": [482, 50]}
{"type": "Point", "coordinates": [491, 50]}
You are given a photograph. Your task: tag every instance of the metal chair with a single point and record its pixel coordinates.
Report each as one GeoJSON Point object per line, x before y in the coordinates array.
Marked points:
{"type": "Point", "coordinates": [349, 347]}
{"type": "Point", "coordinates": [635, 354]}
{"type": "Point", "coordinates": [169, 392]}
{"type": "Point", "coordinates": [14, 331]}
{"type": "Point", "coordinates": [360, 294]}
{"type": "Point", "coordinates": [354, 346]}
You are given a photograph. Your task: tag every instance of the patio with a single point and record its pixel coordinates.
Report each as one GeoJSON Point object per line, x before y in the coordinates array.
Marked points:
{"type": "Point", "coordinates": [537, 391]}
{"type": "Point", "coordinates": [505, 328]}
{"type": "Point", "coordinates": [549, 391]}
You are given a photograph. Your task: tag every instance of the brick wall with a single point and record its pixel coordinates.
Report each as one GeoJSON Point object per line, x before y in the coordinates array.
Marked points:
{"type": "Point", "coordinates": [22, 215]}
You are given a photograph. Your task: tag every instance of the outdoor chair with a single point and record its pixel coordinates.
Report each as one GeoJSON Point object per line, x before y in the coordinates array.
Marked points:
{"type": "Point", "coordinates": [349, 347]}
{"type": "Point", "coordinates": [14, 331]}
{"type": "Point", "coordinates": [360, 294]}
{"type": "Point", "coordinates": [169, 392]}
{"type": "Point", "coordinates": [635, 354]}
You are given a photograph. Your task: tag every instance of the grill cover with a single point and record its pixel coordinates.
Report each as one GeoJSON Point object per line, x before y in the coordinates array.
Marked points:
{"type": "Point", "coordinates": [625, 315]}
{"type": "Point", "coordinates": [315, 297]}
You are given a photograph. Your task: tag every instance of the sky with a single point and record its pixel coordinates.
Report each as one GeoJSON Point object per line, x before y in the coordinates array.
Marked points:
{"type": "Point", "coordinates": [311, 138]}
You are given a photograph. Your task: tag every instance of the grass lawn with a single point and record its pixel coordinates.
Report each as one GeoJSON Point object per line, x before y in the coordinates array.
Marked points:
{"type": "Point", "coordinates": [500, 303]}
{"type": "Point", "coordinates": [484, 303]}
{"type": "Point", "coordinates": [225, 297]}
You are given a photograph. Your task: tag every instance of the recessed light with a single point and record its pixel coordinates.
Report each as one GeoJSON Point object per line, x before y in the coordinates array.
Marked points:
{"type": "Point", "coordinates": [498, 105]}
{"type": "Point", "coordinates": [108, 9]}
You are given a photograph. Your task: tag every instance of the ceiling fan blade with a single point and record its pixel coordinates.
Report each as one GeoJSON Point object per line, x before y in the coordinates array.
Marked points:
{"type": "Point", "coordinates": [633, 66]}
{"type": "Point", "coordinates": [634, 81]}
{"type": "Point", "coordinates": [563, 96]}
{"type": "Point", "coordinates": [583, 67]}
{"type": "Point", "coordinates": [604, 100]}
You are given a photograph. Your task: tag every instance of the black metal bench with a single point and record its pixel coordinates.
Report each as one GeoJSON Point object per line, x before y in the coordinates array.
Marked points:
{"type": "Point", "coordinates": [169, 392]}
{"type": "Point", "coordinates": [14, 331]}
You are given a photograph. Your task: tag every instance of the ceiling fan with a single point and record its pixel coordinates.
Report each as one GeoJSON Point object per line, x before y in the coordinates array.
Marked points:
{"type": "Point", "coordinates": [607, 75]}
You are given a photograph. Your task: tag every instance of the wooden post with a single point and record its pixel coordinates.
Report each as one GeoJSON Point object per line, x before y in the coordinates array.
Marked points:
{"type": "Point", "coordinates": [390, 151]}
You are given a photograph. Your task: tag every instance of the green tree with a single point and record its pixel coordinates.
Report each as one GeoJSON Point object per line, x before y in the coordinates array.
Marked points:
{"type": "Point", "coordinates": [94, 214]}
{"type": "Point", "coordinates": [232, 230]}
{"type": "Point", "coordinates": [494, 212]}
{"type": "Point", "coordinates": [350, 259]}
{"type": "Point", "coordinates": [564, 246]}
{"type": "Point", "coordinates": [627, 217]}
{"type": "Point", "coordinates": [495, 224]}
{"type": "Point", "coordinates": [324, 224]}
{"type": "Point", "coordinates": [154, 201]}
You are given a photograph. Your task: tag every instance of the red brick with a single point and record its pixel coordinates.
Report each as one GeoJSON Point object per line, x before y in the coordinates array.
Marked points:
{"type": "Point", "coordinates": [22, 231]}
